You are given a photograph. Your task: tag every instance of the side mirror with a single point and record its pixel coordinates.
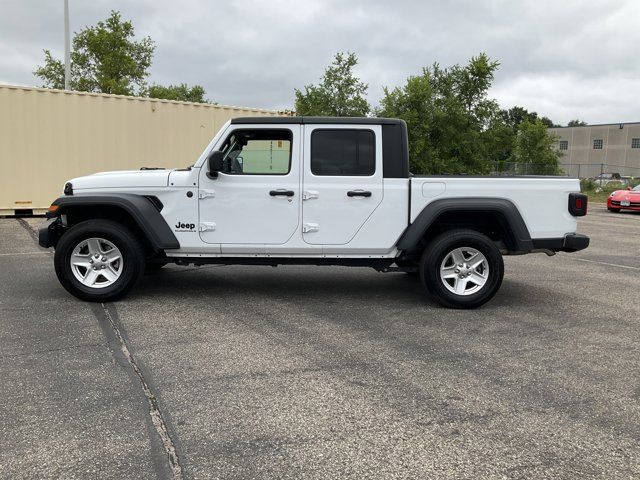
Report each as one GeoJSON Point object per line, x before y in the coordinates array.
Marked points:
{"type": "Point", "coordinates": [629, 188]}
{"type": "Point", "coordinates": [215, 163]}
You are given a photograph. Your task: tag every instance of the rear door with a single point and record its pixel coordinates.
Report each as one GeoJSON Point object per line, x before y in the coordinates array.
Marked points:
{"type": "Point", "coordinates": [342, 181]}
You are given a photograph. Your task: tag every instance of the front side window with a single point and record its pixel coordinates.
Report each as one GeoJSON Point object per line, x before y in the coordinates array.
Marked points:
{"type": "Point", "coordinates": [343, 152]}
{"type": "Point", "coordinates": [597, 144]}
{"type": "Point", "coordinates": [257, 152]}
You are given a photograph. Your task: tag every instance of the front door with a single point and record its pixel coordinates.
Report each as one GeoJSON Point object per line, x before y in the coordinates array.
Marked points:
{"type": "Point", "coordinates": [255, 199]}
{"type": "Point", "coordinates": [342, 181]}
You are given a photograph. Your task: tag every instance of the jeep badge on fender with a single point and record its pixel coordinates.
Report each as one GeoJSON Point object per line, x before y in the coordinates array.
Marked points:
{"type": "Point", "coordinates": [185, 227]}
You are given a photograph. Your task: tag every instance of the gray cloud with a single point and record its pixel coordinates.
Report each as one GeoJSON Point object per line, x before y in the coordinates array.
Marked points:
{"type": "Point", "coordinates": [564, 59]}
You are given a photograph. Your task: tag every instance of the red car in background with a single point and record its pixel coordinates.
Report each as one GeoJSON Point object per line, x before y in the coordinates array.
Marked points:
{"type": "Point", "coordinates": [628, 199]}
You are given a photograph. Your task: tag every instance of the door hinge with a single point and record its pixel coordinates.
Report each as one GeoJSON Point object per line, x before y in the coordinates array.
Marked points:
{"type": "Point", "coordinates": [207, 226]}
{"type": "Point", "coordinates": [206, 193]}
{"type": "Point", "coordinates": [310, 227]}
{"type": "Point", "coordinates": [309, 194]}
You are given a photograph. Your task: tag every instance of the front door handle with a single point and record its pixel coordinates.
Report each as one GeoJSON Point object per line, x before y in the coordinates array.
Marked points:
{"type": "Point", "coordinates": [282, 193]}
{"type": "Point", "coordinates": [358, 193]}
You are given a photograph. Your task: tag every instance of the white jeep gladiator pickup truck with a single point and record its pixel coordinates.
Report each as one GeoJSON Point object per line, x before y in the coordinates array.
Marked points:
{"type": "Point", "coordinates": [313, 191]}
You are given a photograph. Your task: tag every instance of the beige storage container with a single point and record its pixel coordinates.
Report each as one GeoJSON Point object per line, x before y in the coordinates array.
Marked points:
{"type": "Point", "coordinates": [48, 136]}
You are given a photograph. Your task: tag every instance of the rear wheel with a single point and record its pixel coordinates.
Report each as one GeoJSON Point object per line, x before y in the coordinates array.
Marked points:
{"type": "Point", "coordinates": [99, 260]}
{"type": "Point", "coordinates": [462, 269]}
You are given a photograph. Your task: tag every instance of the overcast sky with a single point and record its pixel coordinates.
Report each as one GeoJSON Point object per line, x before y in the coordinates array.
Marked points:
{"type": "Point", "coordinates": [561, 58]}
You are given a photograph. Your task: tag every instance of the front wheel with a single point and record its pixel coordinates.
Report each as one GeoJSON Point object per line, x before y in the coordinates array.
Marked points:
{"type": "Point", "coordinates": [99, 260]}
{"type": "Point", "coordinates": [462, 269]}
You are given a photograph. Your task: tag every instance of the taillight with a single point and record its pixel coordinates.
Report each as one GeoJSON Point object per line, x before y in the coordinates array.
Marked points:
{"type": "Point", "coordinates": [578, 204]}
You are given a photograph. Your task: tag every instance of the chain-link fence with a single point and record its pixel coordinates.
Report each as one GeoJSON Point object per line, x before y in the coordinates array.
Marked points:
{"type": "Point", "coordinates": [515, 168]}
{"type": "Point", "coordinates": [601, 173]}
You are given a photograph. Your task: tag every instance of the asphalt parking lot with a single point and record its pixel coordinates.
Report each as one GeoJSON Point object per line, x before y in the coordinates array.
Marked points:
{"type": "Point", "coordinates": [322, 372]}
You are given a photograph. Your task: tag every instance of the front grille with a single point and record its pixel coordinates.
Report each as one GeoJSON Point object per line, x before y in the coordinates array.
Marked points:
{"type": "Point", "coordinates": [631, 204]}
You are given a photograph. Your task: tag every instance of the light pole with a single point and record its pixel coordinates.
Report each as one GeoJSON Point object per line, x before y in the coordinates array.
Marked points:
{"type": "Point", "coordinates": [67, 46]}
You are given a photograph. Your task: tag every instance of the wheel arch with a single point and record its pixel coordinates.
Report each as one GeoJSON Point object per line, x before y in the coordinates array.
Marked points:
{"type": "Point", "coordinates": [498, 218]}
{"type": "Point", "coordinates": [138, 212]}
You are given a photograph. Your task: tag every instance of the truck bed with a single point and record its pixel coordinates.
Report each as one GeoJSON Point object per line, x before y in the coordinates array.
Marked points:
{"type": "Point", "coordinates": [534, 197]}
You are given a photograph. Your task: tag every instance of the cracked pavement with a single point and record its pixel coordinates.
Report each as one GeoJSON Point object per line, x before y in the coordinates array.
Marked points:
{"type": "Point", "coordinates": [324, 372]}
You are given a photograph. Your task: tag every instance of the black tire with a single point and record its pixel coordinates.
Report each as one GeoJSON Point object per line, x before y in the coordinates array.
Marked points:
{"type": "Point", "coordinates": [436, 252]}
{"type": "Point", "coordinates": [133, 259]}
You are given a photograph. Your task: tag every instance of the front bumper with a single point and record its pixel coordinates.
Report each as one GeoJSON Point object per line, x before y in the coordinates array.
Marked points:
{"type": "Point", "coordinates": [616, 204]}
{"type": "Point", "coordinates": [572, 242]}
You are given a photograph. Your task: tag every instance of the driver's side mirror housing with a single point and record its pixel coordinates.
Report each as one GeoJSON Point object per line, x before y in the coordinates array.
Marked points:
{"type": "Point", "coordinates": [215, 162]}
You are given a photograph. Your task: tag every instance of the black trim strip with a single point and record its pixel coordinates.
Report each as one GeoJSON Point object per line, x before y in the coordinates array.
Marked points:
{"type": "Point", "coordinates": [376, 263]}
{"type": "Point", "coordinates": [395, 150]}
{"type": "Point", "coordinates": [317, 120]}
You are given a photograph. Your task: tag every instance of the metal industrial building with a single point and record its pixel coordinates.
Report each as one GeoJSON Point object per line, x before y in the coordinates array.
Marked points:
{"type": "Point", "coordinates": [593, 150]}
{"type": "Point", "coordinates": [48, 136]}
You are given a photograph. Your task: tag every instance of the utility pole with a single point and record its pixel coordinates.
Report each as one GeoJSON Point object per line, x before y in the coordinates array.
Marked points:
{"type": "Point", "coordinates": [67, 47]}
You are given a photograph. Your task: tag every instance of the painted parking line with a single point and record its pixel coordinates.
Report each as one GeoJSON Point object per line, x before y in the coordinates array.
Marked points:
{"type": "Point", "coordinates": [605, 263]}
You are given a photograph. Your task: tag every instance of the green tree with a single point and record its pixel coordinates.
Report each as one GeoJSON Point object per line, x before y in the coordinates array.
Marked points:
{"type": "Point", "coordinates": [339, 94]}
{"type": "Point", "coordinates": [180, 92]}
{"type": "Point", "coordinates": [534, 149]}
{"type": "Point", "coordinates": [576, 123]}
{"type": "Point", "coordinates": [105, 58]}
{"type": "Point", "coordinates": [514, 116]}
{"type": "Point", "coordinates": [454, 127]}
{"type": "Point", "coordinates": [548, 122]}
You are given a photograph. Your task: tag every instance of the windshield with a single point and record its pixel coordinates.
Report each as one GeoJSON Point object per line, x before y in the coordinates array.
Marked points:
{"type": "Point", "coordinates": [636, 188]}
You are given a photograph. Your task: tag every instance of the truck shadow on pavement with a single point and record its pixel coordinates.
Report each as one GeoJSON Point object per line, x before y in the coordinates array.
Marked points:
{"type": "Point", "coordinates": [314, 284]}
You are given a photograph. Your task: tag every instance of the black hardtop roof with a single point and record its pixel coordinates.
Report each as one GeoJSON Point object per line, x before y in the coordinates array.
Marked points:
{"type": "Point", "coordinates": [319, 120]}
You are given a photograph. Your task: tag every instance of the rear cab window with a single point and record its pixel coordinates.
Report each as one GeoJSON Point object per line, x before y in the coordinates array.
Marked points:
{"type": "Point", "coordinates": [343, 152]}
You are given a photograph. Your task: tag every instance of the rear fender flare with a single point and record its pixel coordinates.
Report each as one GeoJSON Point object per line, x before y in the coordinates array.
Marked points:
{"type": "Point", "coordinates": [506, 209]}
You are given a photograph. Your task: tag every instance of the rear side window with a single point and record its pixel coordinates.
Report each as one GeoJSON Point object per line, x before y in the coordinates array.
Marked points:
{"type": "Point", "coordinates": [343, 152]}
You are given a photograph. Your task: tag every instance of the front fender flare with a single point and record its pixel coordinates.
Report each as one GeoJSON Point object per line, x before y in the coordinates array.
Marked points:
{"type": "Point", "coordinates": [143, 212]}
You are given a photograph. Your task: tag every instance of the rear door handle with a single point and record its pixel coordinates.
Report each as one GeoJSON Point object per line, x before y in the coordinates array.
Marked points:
{"type": "Point", "coordinates": [358, 193]}
{"type": "Point", "coordinates": [282, 193]}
